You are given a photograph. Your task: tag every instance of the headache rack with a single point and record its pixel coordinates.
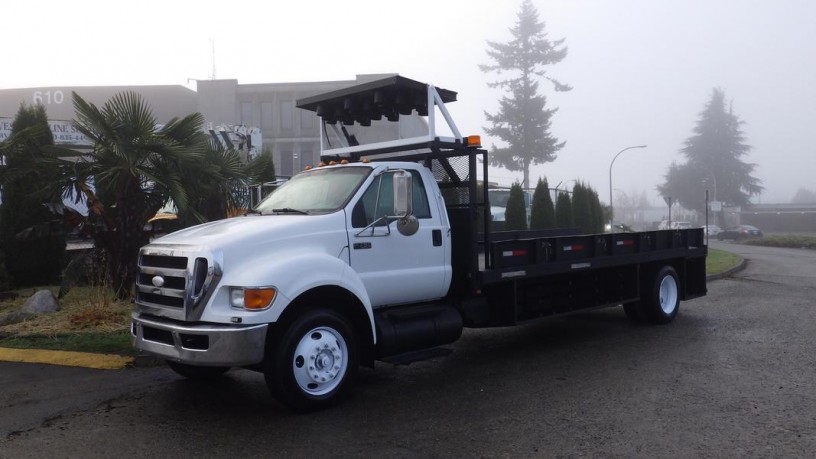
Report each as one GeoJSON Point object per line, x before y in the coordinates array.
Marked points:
{"type": "Point", "coordinates": [454, 160]}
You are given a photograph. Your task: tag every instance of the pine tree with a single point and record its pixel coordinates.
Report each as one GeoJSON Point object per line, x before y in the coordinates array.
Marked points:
{"type": "Point", "coordinates": [515, 214]}
{"type": "Point", "coordinates": [523, 121]}
{"type": "Point", "coordinates": [713, 161]}
{"type": "Point", "coordinates": [542, 210]}
{"type": "Point", "coordinates": [582, 207]}
{"type": "Point", "coordinates": [31, 237]}
{"type": "Point", "coordinates": [597, 213]}
{"type": "Point", "coordinates": [563, 211]}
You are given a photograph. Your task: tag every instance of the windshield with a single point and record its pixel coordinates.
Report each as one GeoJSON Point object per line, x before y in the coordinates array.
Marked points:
{"type": "Point", "coordinates": [498, 198]}
{"type": "Point", "coordinates": [315, 191]}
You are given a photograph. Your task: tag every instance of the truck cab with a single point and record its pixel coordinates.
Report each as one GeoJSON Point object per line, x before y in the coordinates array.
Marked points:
{"type": "Point", "coordinates": [337, 243]}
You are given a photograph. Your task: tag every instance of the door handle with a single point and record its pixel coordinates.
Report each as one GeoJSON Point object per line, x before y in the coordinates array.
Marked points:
{"type": "Point", "coordinates": [437, 237]}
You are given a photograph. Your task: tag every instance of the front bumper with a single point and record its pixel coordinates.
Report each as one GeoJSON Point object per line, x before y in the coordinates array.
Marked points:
{"type": "Point", "coordinates": [199, 344]}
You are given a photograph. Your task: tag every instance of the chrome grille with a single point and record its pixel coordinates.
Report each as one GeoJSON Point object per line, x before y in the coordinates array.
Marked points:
{"type": "Point", "coordinates": [172, 281]}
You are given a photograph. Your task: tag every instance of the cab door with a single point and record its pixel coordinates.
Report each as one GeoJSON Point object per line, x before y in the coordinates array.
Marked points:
{"type": "Point", "coordinates": [396, 268]}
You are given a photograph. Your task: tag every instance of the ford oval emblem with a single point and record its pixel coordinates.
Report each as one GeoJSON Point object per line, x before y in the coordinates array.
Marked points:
{"type": "Point", "coordinates": [158, 281]}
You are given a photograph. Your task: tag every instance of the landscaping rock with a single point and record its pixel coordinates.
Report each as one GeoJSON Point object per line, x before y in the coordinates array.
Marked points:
{"type": "Point", "coordinates": [42, 302]}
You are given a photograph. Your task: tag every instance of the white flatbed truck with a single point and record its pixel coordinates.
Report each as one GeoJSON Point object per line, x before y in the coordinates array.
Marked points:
{"type": "Point", "coordinates": [382, 254]}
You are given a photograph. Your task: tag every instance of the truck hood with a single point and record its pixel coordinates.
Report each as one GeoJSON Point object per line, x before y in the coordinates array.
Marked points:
{"type": "Point", "coordinates": [257, 230]}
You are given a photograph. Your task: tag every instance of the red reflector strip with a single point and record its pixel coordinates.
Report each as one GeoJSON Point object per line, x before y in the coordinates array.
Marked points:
{"type": "Point", "coordinates": [570, 248]}
{"type": "Point", "coordinates": [626, 242]}
{"type": "Point", "coordinates": [514, 253]}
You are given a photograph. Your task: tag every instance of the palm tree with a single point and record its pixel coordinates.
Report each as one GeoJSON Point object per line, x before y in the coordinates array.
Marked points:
{"type": "Point", "coordinates": [133, 168]}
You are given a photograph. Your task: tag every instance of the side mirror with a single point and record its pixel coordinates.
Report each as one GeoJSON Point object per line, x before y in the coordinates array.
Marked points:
{"type": "Point", "coordinates": [403, 194]}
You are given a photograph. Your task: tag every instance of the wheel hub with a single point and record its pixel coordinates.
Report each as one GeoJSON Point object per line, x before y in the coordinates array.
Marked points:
{"type": "Point", "coordinates": [323, 350]}
{"type": "Point", "coordinates": [325, 363]}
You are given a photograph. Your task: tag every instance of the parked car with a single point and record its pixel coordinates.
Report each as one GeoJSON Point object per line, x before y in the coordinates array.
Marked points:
{"type": "Point", "coordinates": [681, 225]}
{"type": "Point", "coordinates": [712, 230]}
{"type": "Point", "coordinates": [739, 232]}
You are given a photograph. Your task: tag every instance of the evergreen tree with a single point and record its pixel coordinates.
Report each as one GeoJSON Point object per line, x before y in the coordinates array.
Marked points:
{"type": "Point", "coordinates": [523, 121]}
{"type": "Point", "coordinates": [713, 161]}
{"type": "Point", "coordinates": [597, 213]}
{"type": "Point", "coordinates": [582, 207]}
{"type": "Point", "coordinates": [515, 214]}
{"type": "Point", "coordinates": [542, 210]}
{"type": "Point", "coordinates": [804, 196]}
{"type": "Point", "coordinates": [563, 211]}
{"type": "Point", "coordinates": [31, 236]}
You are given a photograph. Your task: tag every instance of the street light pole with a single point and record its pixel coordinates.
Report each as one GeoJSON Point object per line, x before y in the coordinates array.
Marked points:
{"type": "Point", "coordinates": [611, 209]}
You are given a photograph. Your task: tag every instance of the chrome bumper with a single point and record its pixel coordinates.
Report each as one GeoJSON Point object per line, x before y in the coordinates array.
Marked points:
{"type": "Point", "coordinates": [201, 344]}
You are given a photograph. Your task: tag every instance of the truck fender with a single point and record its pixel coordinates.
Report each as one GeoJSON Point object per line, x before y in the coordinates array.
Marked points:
{"type": "Point", "coordinates": [299, 273]}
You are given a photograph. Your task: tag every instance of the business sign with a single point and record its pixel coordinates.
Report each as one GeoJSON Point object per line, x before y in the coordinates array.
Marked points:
{"type": "Point", "coordinates": [64, 132]}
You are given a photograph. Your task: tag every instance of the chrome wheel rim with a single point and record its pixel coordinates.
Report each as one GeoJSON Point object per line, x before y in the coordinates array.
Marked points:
{"type": "Point", "coordinates": [668, 294]}
{"type": "Point", "coordinates": [320, 361]}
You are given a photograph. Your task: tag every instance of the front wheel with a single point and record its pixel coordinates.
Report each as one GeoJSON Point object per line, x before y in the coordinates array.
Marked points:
{"type": "Point", "coordinates": [314, 361]}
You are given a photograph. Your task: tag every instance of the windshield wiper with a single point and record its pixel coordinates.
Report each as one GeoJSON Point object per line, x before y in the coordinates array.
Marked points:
{"type": "Point", "coordinates": [289, 210]}
{"type": "Point", "coordinates": [253, 212]}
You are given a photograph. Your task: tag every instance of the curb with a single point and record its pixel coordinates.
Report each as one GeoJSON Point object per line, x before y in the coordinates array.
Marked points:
{"type": "Point", "coordinates": [729, 272]}
{"type": "Point", "coordinates": [66, 358]}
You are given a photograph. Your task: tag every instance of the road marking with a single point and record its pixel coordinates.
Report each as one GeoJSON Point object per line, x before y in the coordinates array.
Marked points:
{"type": "Point", "coordinates": [65, 358]}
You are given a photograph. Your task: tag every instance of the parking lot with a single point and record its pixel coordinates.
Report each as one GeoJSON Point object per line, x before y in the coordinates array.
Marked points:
{"type": "Point", "coordinates": [732, 376]}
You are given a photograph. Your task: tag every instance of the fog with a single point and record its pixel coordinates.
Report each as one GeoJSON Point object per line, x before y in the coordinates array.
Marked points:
{"type": "Point", "coordinates": [642, 70]}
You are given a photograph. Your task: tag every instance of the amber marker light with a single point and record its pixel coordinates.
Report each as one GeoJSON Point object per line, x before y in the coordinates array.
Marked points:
{"type": "Point", "coordinates": [345, 161]}
{"type": "Point", "coordinates": [258, 298]}
{"type": "Point", "coordinates": [474, 140]}
{"type": "Point", "coordinates": [252, 298]}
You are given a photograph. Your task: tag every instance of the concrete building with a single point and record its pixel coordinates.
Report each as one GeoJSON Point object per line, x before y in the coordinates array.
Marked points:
{"type": "Point", "coordinates": [291, 134]}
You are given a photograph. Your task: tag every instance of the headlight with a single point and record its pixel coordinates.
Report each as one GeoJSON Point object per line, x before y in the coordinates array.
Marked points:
{"type": "Point", "coordinates": [252, 298]}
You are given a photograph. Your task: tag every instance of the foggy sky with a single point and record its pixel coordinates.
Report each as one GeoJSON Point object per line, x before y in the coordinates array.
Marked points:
{"type": "Point", "coordinates": [642, 69]}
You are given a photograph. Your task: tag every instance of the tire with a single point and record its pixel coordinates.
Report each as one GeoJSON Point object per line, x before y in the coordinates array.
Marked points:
{"type": "Point", "coordinates": [660, 298]}
{"type": "Point", "coordinates": [314, 361]}
{"type": "Point", "coordinates": [197, 373]}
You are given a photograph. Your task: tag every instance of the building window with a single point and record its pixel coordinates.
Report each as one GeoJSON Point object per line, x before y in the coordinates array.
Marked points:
{"type": "Point", "coordinates": [307, 119]}
{"type": "Point", "coordinates": [266, 115]}
{"type": "Point", "coordinates": [285, 166]}
{"type": "Point", "coordinates": [246, 113]}
{"type": "Point", "coordinates": [287, 114]}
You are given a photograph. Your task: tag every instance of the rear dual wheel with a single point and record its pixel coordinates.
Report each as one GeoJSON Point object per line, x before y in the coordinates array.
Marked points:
{"type": "Point", "coordinates": [659, 298]}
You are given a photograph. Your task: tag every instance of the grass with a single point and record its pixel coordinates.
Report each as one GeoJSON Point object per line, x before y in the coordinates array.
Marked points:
{"type": "Point", "coordinates": [793, 240]}
{"type": "Point", "coordinates": [719, 261]}
{"type": "Point", "coordinates": [92, 320]}
{"type": "Point", "coordinates": [117, 342]}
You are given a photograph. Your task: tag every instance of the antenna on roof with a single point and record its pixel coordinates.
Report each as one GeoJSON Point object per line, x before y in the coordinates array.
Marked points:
{"type": "Point", "coordinates": [212, 48]}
